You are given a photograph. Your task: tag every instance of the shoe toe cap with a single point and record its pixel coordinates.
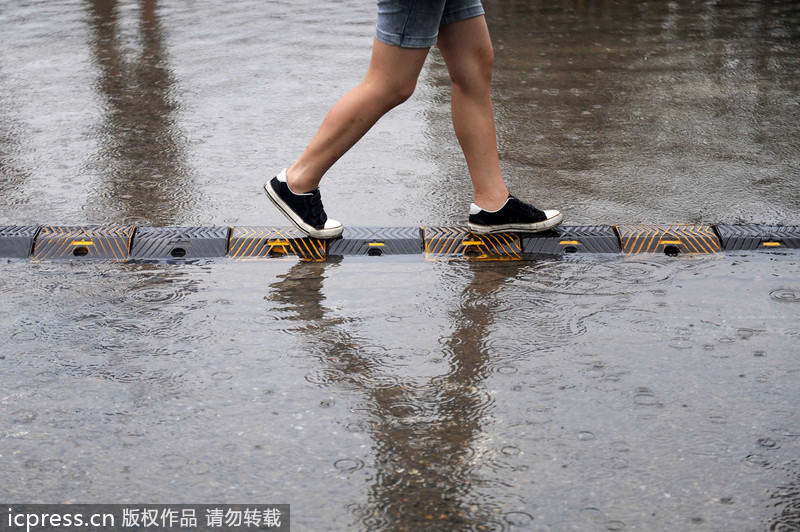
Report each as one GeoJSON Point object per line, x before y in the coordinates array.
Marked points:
{"type": "Point", "coordinates": [552, 214]}
{"type": "Point", "coordinates": [332, 224]}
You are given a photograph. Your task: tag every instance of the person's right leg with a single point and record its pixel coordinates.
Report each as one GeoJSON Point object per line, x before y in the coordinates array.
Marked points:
{"type": "Point", "coordinates": [390, 80]}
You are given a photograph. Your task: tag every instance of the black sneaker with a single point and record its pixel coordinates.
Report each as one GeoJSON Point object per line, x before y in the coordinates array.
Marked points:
{"type": "Point", "coordinates": [514, 215]}
{"type": "Point", "coordinates": [305, 211]}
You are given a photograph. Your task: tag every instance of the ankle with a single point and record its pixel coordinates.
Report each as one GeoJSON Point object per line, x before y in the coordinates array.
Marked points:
{"type": "Point", "coordinates": [491, 203]}
{"type": "Point", "coordinates": [297, 183]}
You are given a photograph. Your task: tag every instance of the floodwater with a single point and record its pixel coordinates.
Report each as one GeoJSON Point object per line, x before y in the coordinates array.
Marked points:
{"type": "Point", "coordinates": [588, 393]}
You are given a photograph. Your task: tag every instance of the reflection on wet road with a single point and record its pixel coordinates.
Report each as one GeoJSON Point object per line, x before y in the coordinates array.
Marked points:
{"type": "Point", "coordinates": [377, 394]}
{"type": "Point", "coordinates": [140, 161]}
{"type": "Point", "coordinates": [425, 436]}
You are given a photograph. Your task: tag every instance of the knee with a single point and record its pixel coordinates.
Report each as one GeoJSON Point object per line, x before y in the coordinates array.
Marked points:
{"type": "Point", "coordinates": [398, 91]}
{"type": "Point", "coordinates": [388, 92]}
{"type": "Point", "coordinates": [474, 72]}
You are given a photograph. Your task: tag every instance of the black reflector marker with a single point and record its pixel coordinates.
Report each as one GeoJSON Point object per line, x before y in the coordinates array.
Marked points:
{"type": "Point", "coordinates": [17, 242]}
{"type": "Point", "coordinates": [758, 237]}
{"type": "Point", "coordinates": [571, 239]}
{"type": "Point", "coordinates": [377, 241]}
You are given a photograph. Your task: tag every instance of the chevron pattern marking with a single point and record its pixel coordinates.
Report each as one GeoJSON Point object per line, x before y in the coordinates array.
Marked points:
{"type": "Point", "coordinates": [251, 242]}
{"type": "Point", "coordinates": [88, 242]}
{"type": "Point", "coordinates": [669, 239]}
{"type": "Point", "coordinates": [459, 242]}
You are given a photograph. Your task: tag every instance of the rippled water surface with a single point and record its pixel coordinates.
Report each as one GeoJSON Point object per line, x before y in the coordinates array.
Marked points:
{"type": "Point", "coordinates": [645, 395]}
{"type": "Point", "coordinates": [588, 393]}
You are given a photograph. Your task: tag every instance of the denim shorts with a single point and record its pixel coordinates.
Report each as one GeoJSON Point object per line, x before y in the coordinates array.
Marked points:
{"type": "Point", "coordinates": [415, 23]}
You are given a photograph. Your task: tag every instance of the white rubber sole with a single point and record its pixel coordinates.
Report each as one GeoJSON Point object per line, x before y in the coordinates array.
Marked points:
{"type": "Point", "coordinates": [298, 222]}
{"type": "Point", "coordinates": [538, 227]}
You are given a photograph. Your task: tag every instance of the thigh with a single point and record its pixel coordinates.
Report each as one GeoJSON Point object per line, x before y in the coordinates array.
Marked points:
{"type": "Point", "coordinates": [466, 37]}
{"type": "Point", "coordinates": [395, 68]}
{"type": "Point", "coordinates": [467, 50]}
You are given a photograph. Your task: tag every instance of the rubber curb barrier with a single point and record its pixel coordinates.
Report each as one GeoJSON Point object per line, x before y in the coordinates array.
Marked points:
{"type": "Point", "coordinates": [377, 241]}
{"type": "Point", "coordinates": [17, 242]}
{"type": "Point", "coordinates": [130, 243]}
{"type": "Point", "coordinates": [157, 243]}
{"type": "Point", "coordinates": [572, 239]}
{"type": "Point", "coordinates": [754, 237]}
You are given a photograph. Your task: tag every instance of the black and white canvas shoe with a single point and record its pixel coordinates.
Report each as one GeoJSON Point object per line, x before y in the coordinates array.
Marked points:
{"type": "Point", "coordinates": [514, 215]}
{"type": "Point", "coordinates": [305, 211]}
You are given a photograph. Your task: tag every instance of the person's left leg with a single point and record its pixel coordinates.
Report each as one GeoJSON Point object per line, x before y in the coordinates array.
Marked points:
{"type": "Point", "coordinates": [468, 54]}
{"type": "Point", "coordinates": [467, 51]}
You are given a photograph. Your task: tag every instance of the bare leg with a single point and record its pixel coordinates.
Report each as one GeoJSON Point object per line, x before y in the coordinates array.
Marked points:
{"type": "Point", "coordinates": [390, 80]}
{"type": "Point", "coordinates": [467, 51]}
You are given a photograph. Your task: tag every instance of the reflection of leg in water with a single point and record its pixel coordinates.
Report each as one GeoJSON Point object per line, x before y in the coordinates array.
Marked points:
{"type": "Point", "coordinates": [425, 437]}
{"type": "Point", "coordinates": [300, 291]}
{"type": "Point", "coordinates": [140, 160]}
